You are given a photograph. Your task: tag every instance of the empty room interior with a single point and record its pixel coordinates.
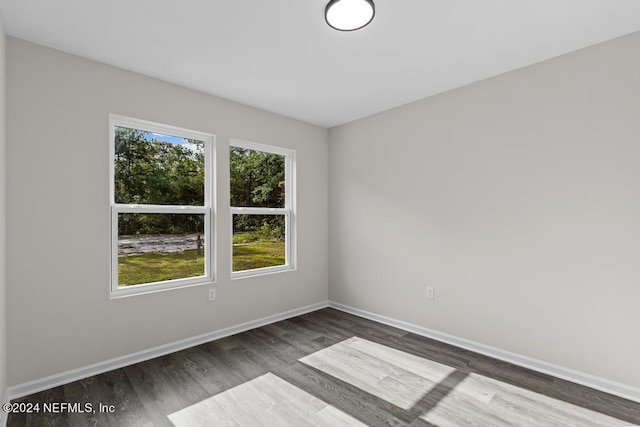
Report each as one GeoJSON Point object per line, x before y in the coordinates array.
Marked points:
{"type": "Point", "coordinates": [345, 212]}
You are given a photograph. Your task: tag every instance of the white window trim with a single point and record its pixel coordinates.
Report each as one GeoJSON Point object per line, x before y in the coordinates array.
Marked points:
{"type": "Point", "coordinates": [288, 211]}
{"type": "Point", "coordinates": [207, 210]}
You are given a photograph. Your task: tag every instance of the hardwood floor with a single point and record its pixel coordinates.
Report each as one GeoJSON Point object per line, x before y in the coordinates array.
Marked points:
{"type": "Point", "coordinates": [328, 368]}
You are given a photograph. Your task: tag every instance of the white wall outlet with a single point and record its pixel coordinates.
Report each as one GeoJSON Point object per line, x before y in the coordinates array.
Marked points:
{"type": "Point", "coordinates": [430, 293]}
{"type": "Point", "coordinates": [212, 294]}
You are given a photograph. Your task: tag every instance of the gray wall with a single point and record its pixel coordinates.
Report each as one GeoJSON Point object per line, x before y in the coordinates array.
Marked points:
{"type": "Point", "coordinates": [517, 198]}
{"type": "Point", "coordinates": [3, 282]}
{"type": "Point", "coordinates": [60, 316]}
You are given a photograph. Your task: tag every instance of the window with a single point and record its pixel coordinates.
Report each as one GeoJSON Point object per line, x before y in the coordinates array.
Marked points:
{"type": "Point", "coordinates": [161, 211]}
{"type": "Point", "coordinates": [262, 208]}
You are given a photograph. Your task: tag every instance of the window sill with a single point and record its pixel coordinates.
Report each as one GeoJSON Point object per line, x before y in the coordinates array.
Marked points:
{"type": "Point", "coordinates": [261, 272]}
{"type": "Point", "coordinates": [153, 288]}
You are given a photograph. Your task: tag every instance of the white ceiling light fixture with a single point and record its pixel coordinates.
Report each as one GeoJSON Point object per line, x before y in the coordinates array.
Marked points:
{"type": "Point", "coordinates": [349, 15]}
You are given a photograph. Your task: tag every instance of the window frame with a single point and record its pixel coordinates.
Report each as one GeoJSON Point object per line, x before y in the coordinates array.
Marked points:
{"type": "Point", "coordinates": [289, 209]}
{"type": "Point", "coordinates": [207, 209]}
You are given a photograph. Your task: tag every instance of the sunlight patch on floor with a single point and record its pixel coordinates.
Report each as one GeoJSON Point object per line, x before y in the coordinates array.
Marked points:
{"type": "Point", "coordinates": [264, 401]}
{"type": "Point", "coordinates": [511, 405]}
{"type": "Point", "coordinates": [392, 375]}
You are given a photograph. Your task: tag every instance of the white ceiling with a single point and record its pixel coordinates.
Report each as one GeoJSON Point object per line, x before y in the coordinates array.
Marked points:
{"type": "Point", "coordinates": [281, 56]}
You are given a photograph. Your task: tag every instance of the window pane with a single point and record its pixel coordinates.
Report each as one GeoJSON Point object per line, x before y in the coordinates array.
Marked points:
{"type": "Point", "coordinates": [258, 241]}
{"type": "Point", "coordinates": [152, 168]}
{"type": "Point", "coordinates": [257, 178]}
{"type": "Point", "coordinates": [159, 247]}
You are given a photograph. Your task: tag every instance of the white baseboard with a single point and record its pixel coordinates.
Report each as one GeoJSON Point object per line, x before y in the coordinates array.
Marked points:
{"type": "Point", "coordinates": [4, 415]}
{"type": "Point", "coordinates": [592, 381]}
{"type": "Point", "coordinates": [25, 389]}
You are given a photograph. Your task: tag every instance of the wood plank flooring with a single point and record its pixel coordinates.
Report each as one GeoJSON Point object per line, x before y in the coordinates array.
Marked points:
{"type": "Point", "coordinates": [266, 400]}
{"type": "Point", "coordinates": [328, 368]}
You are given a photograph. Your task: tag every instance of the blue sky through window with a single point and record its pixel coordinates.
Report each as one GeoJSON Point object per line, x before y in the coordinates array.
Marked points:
{"type": "Point", "coordinates": [172, 140]}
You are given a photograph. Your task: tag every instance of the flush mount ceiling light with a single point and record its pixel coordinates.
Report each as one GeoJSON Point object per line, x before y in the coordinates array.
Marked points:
{"type": "Point", "coordinates": [349, 15]}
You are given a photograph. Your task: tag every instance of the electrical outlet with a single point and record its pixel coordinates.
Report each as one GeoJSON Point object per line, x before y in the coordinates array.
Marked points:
{"type": "Point", "coordinates": [430, 293]}
{"type": "Point", "coordinates": [212, 294]}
